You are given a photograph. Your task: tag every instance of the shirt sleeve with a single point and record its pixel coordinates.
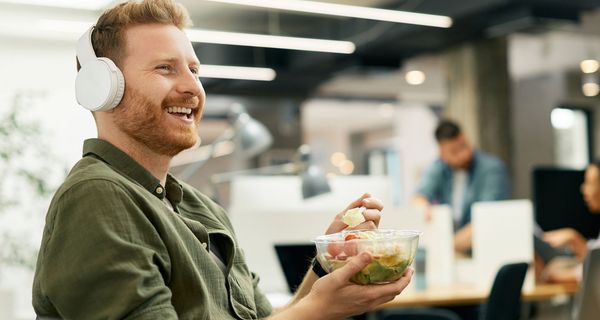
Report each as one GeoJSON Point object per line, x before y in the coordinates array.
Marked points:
{"type": "Point", "coordinates": [495, 184]}
{"type": "Point", "coordinates": [430, 182]}
{"type": "Point", "coordinates": [103, 259]}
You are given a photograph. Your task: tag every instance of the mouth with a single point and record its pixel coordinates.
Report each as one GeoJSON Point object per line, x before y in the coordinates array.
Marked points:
{"type": "Point", "coordinates": [183, 113]}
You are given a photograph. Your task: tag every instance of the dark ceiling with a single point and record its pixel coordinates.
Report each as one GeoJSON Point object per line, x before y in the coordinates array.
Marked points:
{"type": "Point", "coordinates": [379, 44]}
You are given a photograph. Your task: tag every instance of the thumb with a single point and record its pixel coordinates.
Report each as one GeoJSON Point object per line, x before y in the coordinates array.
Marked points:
{"type": "Point", "coordinates": [354, 265]}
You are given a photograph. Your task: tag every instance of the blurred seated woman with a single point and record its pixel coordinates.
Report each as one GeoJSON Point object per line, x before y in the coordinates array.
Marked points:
{"type": "Point", "coordinates": [558, 270]}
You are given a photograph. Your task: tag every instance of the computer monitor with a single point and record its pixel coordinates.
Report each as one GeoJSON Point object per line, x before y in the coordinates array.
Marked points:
{"type": "Point", "coordinates": [558, 202]}
{"type": "Point", "coordinates": [295, 260]}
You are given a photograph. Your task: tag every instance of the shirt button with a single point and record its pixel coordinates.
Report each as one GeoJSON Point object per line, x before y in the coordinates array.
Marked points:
{"type": "Point", "coordinates": [159, 190]}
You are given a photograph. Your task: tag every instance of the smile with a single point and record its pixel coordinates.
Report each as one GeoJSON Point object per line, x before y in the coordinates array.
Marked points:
{"type": "Point", "coordinates": [181, 112]}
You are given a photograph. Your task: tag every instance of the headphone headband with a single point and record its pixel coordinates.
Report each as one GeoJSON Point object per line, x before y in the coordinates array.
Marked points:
{"type": "Point", "coordinates": [85, 49]}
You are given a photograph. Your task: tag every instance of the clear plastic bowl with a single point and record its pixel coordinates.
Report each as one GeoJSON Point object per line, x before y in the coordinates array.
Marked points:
{"type": "Point", "coordinates": [392, 250]}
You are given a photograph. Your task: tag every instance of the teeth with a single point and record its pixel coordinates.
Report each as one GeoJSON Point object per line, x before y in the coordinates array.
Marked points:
{"type": "Point", "coordinates": [179, 110]}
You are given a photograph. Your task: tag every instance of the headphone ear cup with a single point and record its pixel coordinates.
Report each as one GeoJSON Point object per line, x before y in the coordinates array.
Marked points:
{"type": "Point", "coordinates": [99, 85]}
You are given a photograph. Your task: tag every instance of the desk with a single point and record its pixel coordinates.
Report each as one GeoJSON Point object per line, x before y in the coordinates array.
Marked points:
{"type": "Point", "coordinates": [468, 295]}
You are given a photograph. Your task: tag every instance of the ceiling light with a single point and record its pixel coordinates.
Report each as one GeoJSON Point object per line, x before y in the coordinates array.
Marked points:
{"type": "Point", "coordinates": [589, 66]}
{"type": "Point", "coordinates": [415, 77]}
{"type": "Point", "coordinates": [206, 70]}
{"type": "Point", "coordinates": [347, 167]}
{"type": "Point", "coordinates": [590, 89]}
{"type": "Point", "coordinates": [241, 73]}
{"type": "Point", "coordinates": [269, 41]}
{"type": "Point", "coordinates": [338, 158]}
{"type": "Point", "coordinates": [73, 4]}
{"type": "Point", "coordinates": [348, 11]}
{"type": "Point", "coordinates": [221, 37]}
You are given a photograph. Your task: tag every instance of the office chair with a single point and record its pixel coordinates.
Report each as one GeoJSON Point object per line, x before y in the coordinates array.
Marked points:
{"type": "Point", "coordinates": [587, 305]}
{"type": "Point", "coordinates": [504, 301]}
{"type": "Point", "coordinates": [418, 314]}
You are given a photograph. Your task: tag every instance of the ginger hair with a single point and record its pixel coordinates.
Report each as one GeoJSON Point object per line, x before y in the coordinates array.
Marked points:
{"type": "Point", "coordinates": [108, 36]}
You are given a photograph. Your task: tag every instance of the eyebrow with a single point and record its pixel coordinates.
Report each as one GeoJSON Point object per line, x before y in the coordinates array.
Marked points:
{"type": "Point", "coordinates": [172, 60]}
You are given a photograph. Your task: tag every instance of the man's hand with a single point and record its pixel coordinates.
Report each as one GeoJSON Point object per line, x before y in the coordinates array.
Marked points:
{"type": "Point", "coordinates": [335, 297]}
{"type": "Point", "coordinates": [463, 238]}
{"type": "Point", "coordinates": [372, 214]}
{"type": "Point", "coordinates": [423, 204]}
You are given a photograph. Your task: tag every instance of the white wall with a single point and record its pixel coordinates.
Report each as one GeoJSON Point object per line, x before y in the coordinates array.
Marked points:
{"type": "Point", "coordinates": [46, 70]}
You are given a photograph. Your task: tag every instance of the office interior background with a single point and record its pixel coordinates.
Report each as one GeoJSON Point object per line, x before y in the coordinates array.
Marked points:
{"type": "Point", "coordinates": [520, 76]}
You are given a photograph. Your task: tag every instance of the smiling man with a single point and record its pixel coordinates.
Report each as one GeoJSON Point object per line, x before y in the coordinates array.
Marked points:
{"type": "Point", "coordinates": [126, 240]}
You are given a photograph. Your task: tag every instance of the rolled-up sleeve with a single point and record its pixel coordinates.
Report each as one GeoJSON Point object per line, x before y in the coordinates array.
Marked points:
{"type": "Point", "coordinates": [430, 184]}
{"type": "Point", "coordinates": [101, 259]}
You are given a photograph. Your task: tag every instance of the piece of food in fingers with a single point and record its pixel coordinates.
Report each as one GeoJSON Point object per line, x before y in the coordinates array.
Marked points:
{"type": "Point", "coordinates": [392, 251]}
{"type": "Point", "coordinates": [354, 217]}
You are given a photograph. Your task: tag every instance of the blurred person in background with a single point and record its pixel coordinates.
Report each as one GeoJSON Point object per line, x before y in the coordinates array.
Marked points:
{"type": "Point", "coordinates": [123, 238]}
{"type": "Point", "coordinates": [460, 177]}
{"type": "Point", "coordinates": [558, 270]}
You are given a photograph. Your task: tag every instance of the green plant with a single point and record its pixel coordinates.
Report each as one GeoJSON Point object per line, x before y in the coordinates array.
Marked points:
{"type": "Point", "coordinates": [29, 174]}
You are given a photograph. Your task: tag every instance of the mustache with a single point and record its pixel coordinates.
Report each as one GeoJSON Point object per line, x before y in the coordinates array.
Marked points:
{"type": "Point", "coordinates": [192, 102]}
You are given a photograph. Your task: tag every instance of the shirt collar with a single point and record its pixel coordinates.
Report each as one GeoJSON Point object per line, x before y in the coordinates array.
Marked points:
{"type": "Point", "coordinates": [123, 163]}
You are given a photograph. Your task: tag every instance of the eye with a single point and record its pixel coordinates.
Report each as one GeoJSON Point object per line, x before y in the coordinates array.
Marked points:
{"type": "Point", "coordinates": [194, 70]}
{"type": "Point", "coordinates": [164, 67]}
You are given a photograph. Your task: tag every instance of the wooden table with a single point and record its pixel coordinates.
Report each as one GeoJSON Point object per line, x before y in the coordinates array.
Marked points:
{"type": "Point", "coordinates": [469, 295]}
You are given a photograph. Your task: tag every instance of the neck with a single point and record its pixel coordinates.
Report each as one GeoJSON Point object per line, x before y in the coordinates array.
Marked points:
{"type": "Point", "coordinates": [156, 164]}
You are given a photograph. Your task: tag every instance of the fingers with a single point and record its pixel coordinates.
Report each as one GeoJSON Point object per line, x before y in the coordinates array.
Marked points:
{"type": "Point", "coordinates": [382, 293]}
{"type": "Point", "coordinates": [372, 214]}
{"type": "Point", "coordinates": [372, 218]}
{"type": "Point", "coordinates": [395, 288]}
{"type": "Point", "coordinates": [398, 286]}
{"type": "Point", "coordinates": [554, 238]}
{"type": "Point", "coordinates": [358, 202]}
{"type": "Point", "coordinates": [372, 203]}
{"type": "Point", "coordinates": [353, 266]}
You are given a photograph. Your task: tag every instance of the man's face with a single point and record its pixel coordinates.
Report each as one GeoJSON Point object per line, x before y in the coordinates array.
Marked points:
{"type": "Point", "coordinates": [456, 152]}
{"type": "Point", "coordinates": [591, 188]}
{"type": "Point", "coordinates": [163, 100]}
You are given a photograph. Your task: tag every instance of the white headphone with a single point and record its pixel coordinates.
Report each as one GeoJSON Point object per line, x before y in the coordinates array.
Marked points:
{"type": "Point", "coordinates": [100, 84]}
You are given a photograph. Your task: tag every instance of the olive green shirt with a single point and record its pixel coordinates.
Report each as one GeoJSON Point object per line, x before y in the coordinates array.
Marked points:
{"type": "Point", "coordinates": [112, 249]}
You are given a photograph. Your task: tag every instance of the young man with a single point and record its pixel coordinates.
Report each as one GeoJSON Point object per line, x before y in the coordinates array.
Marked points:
{"type": "Point", "coordinates": [123, 238]}
{"type": "Point", "coordinates": [459, 178]}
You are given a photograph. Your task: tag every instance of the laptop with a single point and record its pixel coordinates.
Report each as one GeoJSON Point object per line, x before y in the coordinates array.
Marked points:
{"type": "Point", "coordinates": [295, 260]}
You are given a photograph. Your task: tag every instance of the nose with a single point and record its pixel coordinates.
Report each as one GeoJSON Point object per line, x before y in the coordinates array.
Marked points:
{"type": "Point", "coordinates": [189, 84]}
